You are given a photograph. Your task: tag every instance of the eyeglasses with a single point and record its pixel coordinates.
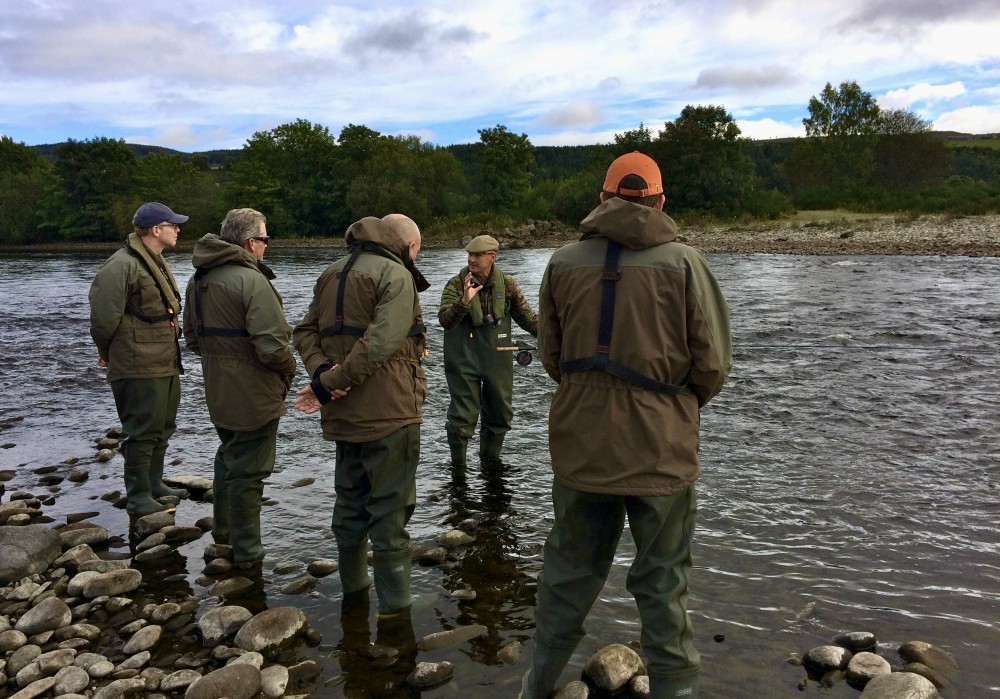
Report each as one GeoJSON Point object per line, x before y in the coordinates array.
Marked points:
{"type": "Point", "coordinates": [264, 239]}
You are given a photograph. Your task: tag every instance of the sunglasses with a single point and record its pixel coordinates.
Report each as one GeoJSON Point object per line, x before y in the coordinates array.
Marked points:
{"type": "Point", "coordinates": [264, 239]}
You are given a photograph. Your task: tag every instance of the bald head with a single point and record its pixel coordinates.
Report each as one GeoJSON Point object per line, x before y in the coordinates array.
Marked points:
{"type": "Point", "coordinates": [407, 229]}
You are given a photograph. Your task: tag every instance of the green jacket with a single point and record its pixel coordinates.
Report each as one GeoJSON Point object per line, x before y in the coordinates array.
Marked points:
{"type": "Point", "coordinates": [134, 304]}
{"type": "Point", "coordinates": [671, 324]}
{"type": "Point", "coordinates": [233, 319]}
{"type": "Point", "coordinates": [381, 363]}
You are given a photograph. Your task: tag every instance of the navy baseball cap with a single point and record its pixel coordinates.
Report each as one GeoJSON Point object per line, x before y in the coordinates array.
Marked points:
{"type": "Point", "coordinates": [151, 213]}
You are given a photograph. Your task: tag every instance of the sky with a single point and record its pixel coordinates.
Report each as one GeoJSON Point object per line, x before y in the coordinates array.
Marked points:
{"type": "Point", "coordinates": [196, 76]}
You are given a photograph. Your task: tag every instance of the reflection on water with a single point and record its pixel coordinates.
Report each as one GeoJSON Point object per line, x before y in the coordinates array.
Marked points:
{"type": "Point", "coordinates": [849, 474]}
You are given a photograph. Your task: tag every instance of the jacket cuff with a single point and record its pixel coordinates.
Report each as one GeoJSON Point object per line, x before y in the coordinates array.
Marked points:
{"type": "Point", "coordinates": [317, 386]}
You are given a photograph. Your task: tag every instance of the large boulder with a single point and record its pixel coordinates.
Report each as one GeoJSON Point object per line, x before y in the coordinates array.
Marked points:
{"type": "Point", "coordinates": [271, 629]}
{"type": "Point", "coordinates": [27, 550]}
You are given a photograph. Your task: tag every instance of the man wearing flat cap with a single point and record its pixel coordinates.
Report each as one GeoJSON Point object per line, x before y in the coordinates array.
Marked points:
{"type": "Point", "coordinates": [635, 331]}
{"type": "Point", "coordinates": [134, 306]}
{"type": "Point", "coordinates": [477, 306]}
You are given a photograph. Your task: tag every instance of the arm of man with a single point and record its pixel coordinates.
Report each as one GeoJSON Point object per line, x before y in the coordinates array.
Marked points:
{"type": "Point", "coordinates": [190, 334]}
{"type": "Point", "coordinates": [710, 340]}
{"type": "Point", "coordinates": [519, 309]}
{"type": "Point", "coordinates": [453, 307]}
{"type": "Point", "coordinates": [549, 329]}
{"type": "Point", "coordinates": [108, 296]}
{"type": "Point", "coordinates": [269, 331]}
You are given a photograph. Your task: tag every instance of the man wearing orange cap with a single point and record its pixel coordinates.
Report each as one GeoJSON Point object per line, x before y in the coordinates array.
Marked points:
{"type": "Point", "coordinates": [635, 330]}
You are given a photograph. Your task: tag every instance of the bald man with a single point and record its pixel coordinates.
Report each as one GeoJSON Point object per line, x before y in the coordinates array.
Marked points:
{"type": "Point", "coordinates": [362, 341]}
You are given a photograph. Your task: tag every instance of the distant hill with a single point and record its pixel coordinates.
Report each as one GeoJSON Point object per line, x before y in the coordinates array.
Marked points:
{"type": "Point", "coordinates": [216, 158]}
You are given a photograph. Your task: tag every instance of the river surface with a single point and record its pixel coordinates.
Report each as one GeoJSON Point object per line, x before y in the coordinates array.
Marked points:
{"type": "Point", "coordinates": [851, 469]}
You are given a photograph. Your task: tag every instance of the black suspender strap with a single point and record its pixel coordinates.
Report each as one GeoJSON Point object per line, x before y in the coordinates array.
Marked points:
{"type": "Point", "coordinates": [200, 329]}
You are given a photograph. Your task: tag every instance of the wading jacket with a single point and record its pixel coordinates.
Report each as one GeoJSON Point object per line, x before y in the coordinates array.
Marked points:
{"type": "Point", "coordinates": [233, 319]}
{"type": "Point", "coordinates": [671, 324]}
{"type": "Point", "coordinates": [377, 347]}
{"type": "Point", "coordinates": [134, 307]}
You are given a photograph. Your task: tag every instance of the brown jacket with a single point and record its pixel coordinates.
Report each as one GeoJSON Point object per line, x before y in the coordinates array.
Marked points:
{"type": "Point", "coordinates": [671, 324]}
{"type": "Point", "coordinates": [382, 365]}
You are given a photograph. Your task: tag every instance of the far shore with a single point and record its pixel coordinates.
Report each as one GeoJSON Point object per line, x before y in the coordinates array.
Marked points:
{"type": "Point", "coordinates": [806, 233]}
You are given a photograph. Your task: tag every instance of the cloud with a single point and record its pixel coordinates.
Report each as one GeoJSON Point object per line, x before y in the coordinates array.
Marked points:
{"type": "Point", "coordinates": [923, 92]}
{"type": "Point", "coordinates": [744, 79]}
{"type": "Point", "coordinates": [882, 15]}
{"type": "Point", "coordinates": [977, 120]}
{"type": "Point", "coordinates": [407, 35]}
{"type": "Point", "coordinates": [764, 129]}
{"type": "Point", "coordinates": [577, 114]}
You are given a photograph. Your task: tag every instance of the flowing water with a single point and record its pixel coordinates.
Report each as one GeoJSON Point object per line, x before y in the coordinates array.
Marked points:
{"type": "Point", "coordinates": [850, 472]}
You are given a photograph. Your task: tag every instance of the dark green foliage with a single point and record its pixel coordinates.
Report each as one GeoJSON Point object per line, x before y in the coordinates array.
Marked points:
{"type": "Point", "coordinates": [23, 176]}
{"type": "Point", "coordinates": [504, 162]}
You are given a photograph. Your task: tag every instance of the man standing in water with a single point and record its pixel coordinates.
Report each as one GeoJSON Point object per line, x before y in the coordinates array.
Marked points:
{"type": "Point", "coordinates": [635, 330]}
{"type": "Point", "coordinates": [134, 304]}
{"type": "Point", "coordinates": [476, 309]}
{"type": "Point", "coordinates": [362, 341]}
{"type": "Point", "coordinates": [233, 319]}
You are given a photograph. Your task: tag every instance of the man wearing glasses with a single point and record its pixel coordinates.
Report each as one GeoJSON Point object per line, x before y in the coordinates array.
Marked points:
{"type": "Point", "coordinates": [134, 304]}
{"type": "Point", "coordinates": [233, 319]}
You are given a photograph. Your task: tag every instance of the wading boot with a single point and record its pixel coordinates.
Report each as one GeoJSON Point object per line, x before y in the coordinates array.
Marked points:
{"type": "Point", "coordinates": [490, 446]}
{"type": "Point", "coordinates": [547, 665]}
{"type": "Point", "coordinates": [392, 582]}
{"type": "Point", "coordinates": [137, 492]}
{"type": "Point", "coordinates": [156, 485]}
{"type": "Point", "coordinates": [458, 446]}
{"type": "Point", "coordinates": [354, 575]}
{"type": "Point", "coordinates": [683, 686]}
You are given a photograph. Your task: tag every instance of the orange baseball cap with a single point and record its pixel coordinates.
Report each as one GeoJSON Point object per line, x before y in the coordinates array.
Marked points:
{"type": "Point", "coordinates": [634, 163]}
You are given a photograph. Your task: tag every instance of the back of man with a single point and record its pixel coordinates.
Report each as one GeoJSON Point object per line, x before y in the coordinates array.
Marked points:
{"type": "Point", "coordinates": [635, 330]}
{"type": "Point", "coordinates": [234, 320]}
{"type": "Point", "coordinates": [362, 342]}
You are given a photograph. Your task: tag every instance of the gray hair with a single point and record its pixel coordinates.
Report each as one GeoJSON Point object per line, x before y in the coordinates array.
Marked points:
{"type": "Point", "coordinates": [404, 226]}
{"type": "Point", "coordinates": [240, 225]}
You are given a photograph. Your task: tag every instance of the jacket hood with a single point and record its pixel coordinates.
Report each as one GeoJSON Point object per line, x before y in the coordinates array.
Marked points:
{"type": "Point", "coordinates": [375, 231]}
{"type": "Point", "coordinates": [212, 251]}
{"type": "Point", "coordinates": [635, 226]}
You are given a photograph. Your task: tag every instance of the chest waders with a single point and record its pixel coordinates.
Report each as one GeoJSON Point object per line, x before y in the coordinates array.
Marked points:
{"type": "Point", "coordinates": [480, 378]}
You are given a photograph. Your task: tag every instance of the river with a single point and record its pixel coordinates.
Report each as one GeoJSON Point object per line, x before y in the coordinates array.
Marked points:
{"type": "Point", "coordinates": [850, 479]}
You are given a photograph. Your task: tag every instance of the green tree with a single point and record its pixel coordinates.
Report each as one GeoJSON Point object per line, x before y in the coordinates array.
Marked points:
{"type": "Point", "coordinates": [704, 162]}
{"type": "Point", "coordinates": [908, 155]}
{"type": "Point", "coordinates": [183, 187]}
{"type": "Point", "coordinates": [640, 139]}
{"type": "Point", "coordinates": [23, 174]}
{"type": "Point", "coordinates": [292, 174]}
{"type": "Point", "coordinates": [504, 161]}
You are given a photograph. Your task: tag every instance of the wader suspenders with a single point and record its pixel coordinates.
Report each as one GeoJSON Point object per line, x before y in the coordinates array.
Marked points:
{"type": "Point", "coordinates": [135, 312]}
{"type": "Point", "coordinates": [199, 325]}
{"type": "Point", "coordinates": [601, 361]}
{"type": "Point", "coordinates": [338, 327]}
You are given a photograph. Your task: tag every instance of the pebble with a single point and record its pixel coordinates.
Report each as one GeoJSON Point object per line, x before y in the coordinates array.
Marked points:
{"type": "Point", "coordinates": [271, 629]}
{"type": "Point", "coordinates": [455, 538]}
{"type": "Point", "coordinates": [426, 675]}
{"type": "Point", "coordinates": [900, 684]}
{"type": "Point", "coordinates": [452, 637]}
{"type": "Point", "coordinates": [864, 666]}
{"type": "Point", "coordinates": [322, 567]}
{"type": "Point", "coordinates": [612, 667]}
{"type": "Point", "coordinates": [233, 681]}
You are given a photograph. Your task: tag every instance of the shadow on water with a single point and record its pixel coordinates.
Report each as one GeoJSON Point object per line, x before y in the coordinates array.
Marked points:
{"type": "Point", "coordinates": [841, 490]}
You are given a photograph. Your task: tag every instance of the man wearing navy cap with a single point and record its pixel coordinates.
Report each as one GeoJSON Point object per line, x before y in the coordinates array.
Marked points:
{"type": "Point", "coordinates": [134, 305]}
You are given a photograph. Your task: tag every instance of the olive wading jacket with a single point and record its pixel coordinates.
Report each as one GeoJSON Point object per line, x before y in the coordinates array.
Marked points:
{"type": "Point", "coordinates": [134, 303]}
{"type": "Point", "coordinates": [233, 319]}
{"type": "Point", "coordinates": [671, 324]}
{"type": "Point", "coordinates": [377, 348]}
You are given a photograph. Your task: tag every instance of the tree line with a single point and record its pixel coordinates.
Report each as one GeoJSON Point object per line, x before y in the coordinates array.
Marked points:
{"type": "Point", "coordinates": [311, 183]}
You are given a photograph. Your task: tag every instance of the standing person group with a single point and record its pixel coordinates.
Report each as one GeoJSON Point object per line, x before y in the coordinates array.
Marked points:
{"type": "Point", "coordinates": [632, 326]}
{"type": "Point", "coordinates": [477, 306]}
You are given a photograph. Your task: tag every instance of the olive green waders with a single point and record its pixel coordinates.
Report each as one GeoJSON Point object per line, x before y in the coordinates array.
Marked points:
{"type": "Point", "coordinates": [480, 381]}
{"type": "Point", "coordinates": [148, 411]}
{"type": "Point", "coordinates": [577, 558]}
{"type": "Point", "coordinates": [376, 494]}
{"type": "Point", "coordinates": [242, 462]}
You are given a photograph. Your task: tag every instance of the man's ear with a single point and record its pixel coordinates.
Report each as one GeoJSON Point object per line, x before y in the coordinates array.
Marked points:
{"type": "Point", "coordinates": [660, 201]}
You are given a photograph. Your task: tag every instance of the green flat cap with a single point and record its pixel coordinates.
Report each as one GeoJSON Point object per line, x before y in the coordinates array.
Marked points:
{"type": "Point", "coordinates": [483, 243]}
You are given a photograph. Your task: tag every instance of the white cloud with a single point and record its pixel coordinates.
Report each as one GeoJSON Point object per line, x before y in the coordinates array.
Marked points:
{"type": "Point", "coordinates": [924, 92]}
{"type": "Point", "coordinates": [976, 120]}
{"type": "Point", "coordinates": [764, 129]}
{"type": "Point", "coordinates": [577, 114]}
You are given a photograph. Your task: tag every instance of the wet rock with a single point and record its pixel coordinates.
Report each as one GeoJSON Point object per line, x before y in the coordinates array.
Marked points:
{"type": "Point", "coordinates": [135, 662]}
{"type": "Point", "coordinates": [638, 687]}
{"type": "Point", "coordinates": [574, 690]}
{"type": "Point", "coordinates": [233, 681]}
{"type": "Point", "coordinates": [219, 551]}
{"type": "Point", "coordinates": [104, 455]}
{"type": "Point", "coordinates": [152, 523]}
{"type": "Point", "coordinates": [165, 612]}
{"type": "Point", "coordinates": [75, 557]}
{"type": "Point", "coordinates": [55, 660]}
{"type": "Point", "coordinates": [35, 689]}
{"type": "Point", "coordinates": [161, 551]}
{"type": "Point", "coordinates": [88, 632]}
{"type": "Point", "coordinates": [83, 533]}
{"type": "Point", "coordinates": [271, 629]}
{"type": "Point", "coordinates": [224, 653]}
{"type": "Point", "coordinates": [933, 657]}
{"type": "Point", "coordinates": [11, 639]}
{"type": "Point", "coordinates": [180, 535]}
{"type": "Point", "coordinates": [70, 680]}
{"type": "Point", "coordinates": [611, 668]}
{"type": "Point", "coordinates": [426, 675]}
{"type": "Point", "coordinates": [232, 587]}
{"type": "Point", "coordinates": [78, 475]}
{"type": "Point", "coordinates": [112, 584]}
{"type": "Point", "coordinates": [25, 591]}
{"type": "Point", "coordinates": [176, 681]}
{"type": "Point", "coordinates": [99, 566]}
{"type": "Point", "coordinates": [510, 653]}
{"type": "Point", "coordinates": [857, 641]}
{"type": "Point", "coordinates": [19, 520]}
{"type": "Point", "coordinates": [455, 538]}
{"type": "Point", "coordinates": [29, 674]}
{"type": "Point", "coordinates": [864, 666]}
{"type": "Point", "coordinates": [196, 484]}
{"type": "Point", "coordinates": [101, 669]}
{"type": "Point", "coordinates": [433, 557]}
{"type": "Point", "coordinates": [119, 689]}
{"type": "Point", "coordinates": [287, 567]}
{"type": "Point", "coordinates": [463, 594]}
{"type": "Point", "coordinates": [151, 541]}
{"type": "Point", "coordinates": [274, 681]}
{"type": "Point", "coordinates": [79, 581]}
{"type": "Point", "coordinates": [21, 658]}
{"type": "Point", "coordinates": [26, 550]}
{"type": "Point", "coordinates": [299, 586]}
{"type": "Point", "coordinates": [145, 638]}
{"type": "Point", "coordinates": [47, 615]}
{"type": "Point", "coordinates": [826, 658]}
{"type": "Point", "coordinates": [248, 658]}
{"type": "Point", "coordinates": [322, 567]}
{"type": "Point", "coordinates": [936, 678]}
{"type": "Point", "coordinates": [900, 684]}
{"type": "Point", "coordinates": [302, 482]}
{"type": "Point", "coordinates": [132, 627]}
{"type": "Point", "coordinates": [453, 637]}
{"type": "Point", "coordinates": [218, 565]}
{"type": "Point", "coordinates": [216, 625]}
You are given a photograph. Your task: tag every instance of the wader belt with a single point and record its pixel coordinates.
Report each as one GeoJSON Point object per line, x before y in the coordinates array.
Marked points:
{"type": "Point", "coordinates": [338, 327]}
{"type": "Point", "coordinates": [601, 361]}
{"type": "Point", "coordinates": [136, 313]}
{"type": "Point", "coordinates": [199, 325]}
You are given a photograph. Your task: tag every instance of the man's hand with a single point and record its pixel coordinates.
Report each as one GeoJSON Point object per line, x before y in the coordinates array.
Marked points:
{"type": "Point", "coordinates": [307, 402]}
{"type": "Point", "coordinates": [101, 363]}
{"type": "Point", "coordinates": [471, 288]}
